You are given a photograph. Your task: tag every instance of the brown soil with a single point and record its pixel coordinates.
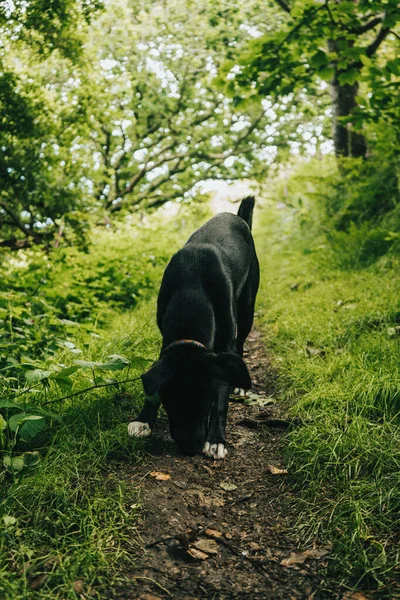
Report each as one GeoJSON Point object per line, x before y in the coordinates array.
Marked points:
{"type": "Point", "coordinates": [235, 511]}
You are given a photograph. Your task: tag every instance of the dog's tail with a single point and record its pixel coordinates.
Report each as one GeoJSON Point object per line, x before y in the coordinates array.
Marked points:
{"type": "Point", "coordinates": [246, 210]}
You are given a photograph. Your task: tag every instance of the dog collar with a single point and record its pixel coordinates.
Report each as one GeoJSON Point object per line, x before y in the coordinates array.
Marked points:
{"type": "Point", "coordinates": [182, 342]}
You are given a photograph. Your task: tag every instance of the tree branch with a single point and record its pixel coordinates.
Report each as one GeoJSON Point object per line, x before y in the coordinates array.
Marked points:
{"type": "Point", "coordinates": [368, 26]}
{"type": "Point", "coordinates": [93, 387]}
{"type": "Point", "coordinates": [283, 4]}
{"type": "Point", "coordinates": [373, 47]}
{"type": "Point", "coordinates": [332, 20]}
{"type": "Point", "coordinates": [14, 218]}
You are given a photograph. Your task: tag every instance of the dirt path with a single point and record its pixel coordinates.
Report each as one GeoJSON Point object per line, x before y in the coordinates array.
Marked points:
{"type": "Point", "coordinates": [220, 530]}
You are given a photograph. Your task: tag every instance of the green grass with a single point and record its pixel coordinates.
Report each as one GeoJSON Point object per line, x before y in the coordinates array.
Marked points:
{"type": "Point", "coordinates": [330, 333]}
{"type": "Point", "coordinates": [329, 326]}
{"type": "Point", "coordinates": [75, 515]}
{"type": "Point", "coordinates": [68, 524]}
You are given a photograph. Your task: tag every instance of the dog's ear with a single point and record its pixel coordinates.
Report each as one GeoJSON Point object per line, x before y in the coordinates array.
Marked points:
{"type": "Point", "coordinates": [153, 379]}
{"type": "Point", "coordinates": [230, 368]}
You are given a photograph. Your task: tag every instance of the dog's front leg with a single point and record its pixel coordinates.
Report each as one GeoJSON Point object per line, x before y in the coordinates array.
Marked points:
{"type": "Point", "coordinates": [143, 424]}
{"type": "Point", "coordinates": [215, 446]}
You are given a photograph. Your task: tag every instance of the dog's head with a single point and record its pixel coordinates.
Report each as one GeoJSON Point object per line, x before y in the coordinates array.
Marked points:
{"type": "Point", "coordinates": [185, 377]}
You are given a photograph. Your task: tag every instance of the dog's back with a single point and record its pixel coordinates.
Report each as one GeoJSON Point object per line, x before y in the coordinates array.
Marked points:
{"type": "Point", "coordinates": [203, 282]}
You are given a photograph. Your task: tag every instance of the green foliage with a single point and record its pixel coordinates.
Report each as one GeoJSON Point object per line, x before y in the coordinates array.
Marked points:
{"type": "Point", "coordinates": [310, 43]}
{"type": "Point", "coordinates": [132, 121]}
{"type": "Point", "coordinates": [64, 508]}
{"type": "Point", "coordinates": [334, 338]}
{"type": "Point", "coordinates": [50, 302]}
{"type": "Point", "coordinates": [352, 208]}
{"type": "Point", "coordinates": [40, 192]}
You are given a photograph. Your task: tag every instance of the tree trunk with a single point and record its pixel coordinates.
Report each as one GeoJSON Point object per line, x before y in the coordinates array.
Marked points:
{"type": "Point", "coordinates": [347, 141]}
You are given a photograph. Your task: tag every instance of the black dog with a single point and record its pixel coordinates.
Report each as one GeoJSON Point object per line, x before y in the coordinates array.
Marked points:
{"type": "Point", "coordinates": [205, 312]}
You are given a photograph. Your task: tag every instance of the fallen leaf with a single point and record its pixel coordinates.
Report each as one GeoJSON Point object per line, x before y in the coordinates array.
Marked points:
{"type": "Point", "coordinates": [198, 554]}
{"type": "Point", "coordinates": [195, 497]}
{"type": "Point", "coordinates": [275, 470]}
{"type": "Point", "coordinates": [186, 538]}
{"type": "Point", "coordinates": [259, 400]}
{"type": "Point", "coordinates": [159, 476]}
{"type": "Point", "coordinates": [78, 586]}
{"type": "Point", "coordinates": [228, 487]}
{"type": "Point", "coordinates": [254, 546]}
{"type": "Point", "coordinates": [354, 596]}
{"type": "Point", "coordinates": [37, 583]}
{"type": "Point", "coordinates": [208, 546]}
{"type": "Point", "coordinates": [213, 533]}
{"type": "Point", "coordinates": [149, 597]}
{"type": "Point", "coordinates": [298, 558]}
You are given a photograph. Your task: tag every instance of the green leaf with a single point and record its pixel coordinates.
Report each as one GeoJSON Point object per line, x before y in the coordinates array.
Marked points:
{"type": "Point", "coordinates": [380, 560]}
{"type": "Point", "coordinates": [13, 463]}
{"type": "Point", "coordinates": [139, 363]}
{"type": "Point", "coordinates": [9, 404]}
{"type": "Point", "coordinates": [115, 363]}
{"type": "Point", "coordinates": [349, 77]}
{"type": "Point", "coordinates": [319, 59]}
{"type": "Point", "coordinates": [31, 428]}
{"type": "Point", "coordinates": [66, 372]}
{"type": "Point", "coordinates": [36, 375]}
{"type": "Point", "coordinates": [345, 7]}
{"type": "Point", "coordinates": [68, 322]}
{"type": "Point", "coordinates": [327, 73]}
{"type": "Point", "coordinates": [64, 383]}
{"type": "Point", "coordinates": [15, 421]}
{"type": "Point", "coordinates": [31, 458]}
{"type": "Point", "coordinates": [9, 521]}
{"type": "Point", "coordinates": [3, 423]}
{"type": "Point", "coordinates": [87, 364]}
{"type": "Point", "coordinates": [366, 61]}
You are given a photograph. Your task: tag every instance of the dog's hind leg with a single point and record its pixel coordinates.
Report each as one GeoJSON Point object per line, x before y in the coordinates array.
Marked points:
{"type": "Point", "coordinates": [143, 424]}
{"type": "Point", "coordinates": [245, 314]}
{"type": "Point", "coordinates": [215, 446]}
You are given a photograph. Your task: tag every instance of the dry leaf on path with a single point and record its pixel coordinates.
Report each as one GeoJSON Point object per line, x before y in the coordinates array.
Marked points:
{"type": "Point", "coordinates": [275, 470]}
{"type": "Point", "coordinates": [195, 553]}
{"type": "Point", "coordinates": [208, 546]}
{"type": "Point", "coordinates": [298, 558]}
{"type": "Point", "coordinates": [228, 487]}
{"type": "Point", "coordinates": [213, 533]}
{"type": "Point", "coordinates": [159, 476]}
{"type": "Point", "coordinates": [354, 596]}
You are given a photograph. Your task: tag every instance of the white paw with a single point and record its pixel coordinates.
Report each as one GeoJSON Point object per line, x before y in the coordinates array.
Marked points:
{"type": "Point", "coordinates": [138, 429]}
{"type": "Point", "coordinates": [217, 451]}
{"type": "Point", "coordinates": [239, 392]}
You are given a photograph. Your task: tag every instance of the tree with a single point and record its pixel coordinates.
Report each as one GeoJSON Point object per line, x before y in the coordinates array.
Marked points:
{"type": "Point", "coordinates": [158, 125]}
{"type": "Point", "coordinates": [335, 41]}
{"type": "Point", "coordinates": [37, 173]}
{"type": "Point", "coordinates": [126, 117]}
